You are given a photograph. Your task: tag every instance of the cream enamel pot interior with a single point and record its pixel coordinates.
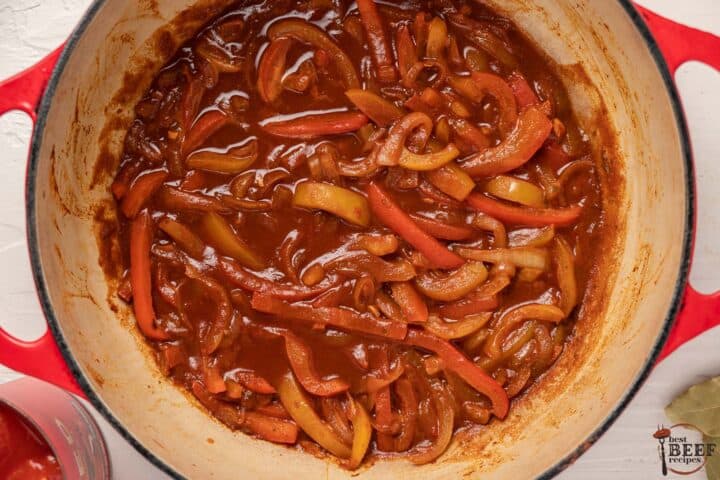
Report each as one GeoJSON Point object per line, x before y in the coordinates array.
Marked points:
{"type": "Point", "coordinates": [109, 62]}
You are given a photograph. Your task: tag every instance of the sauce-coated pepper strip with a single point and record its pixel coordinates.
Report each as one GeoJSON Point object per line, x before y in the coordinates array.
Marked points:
{"type": "Point", "coordinates": [301, 361]}
{"type": "Point", "coordinates": [299, 408]}
{"type": "Point", "coordinates": [316, 125]}
{"type": "Point", "coordinates": [442, 230]}
{"type": "Point", "coordinates": [339, 201]}
{"type": "Point", "coordinates": [140, 239]}
{"type": "Point", "coordinates": [458, 363]}
{"type": "Point", "coordinates": [176, 200]}
{"type": "Point", "coordinates": [309, 33]}
{"type": "Point", "coordinates": [336, 317]}
{"type": "Point", "coordinates": [531, 217]}
{"type": "Point", "coordinates": [270, 428]}
{"type": "Point", "coordinates": [253, 382]}
{"type": "Point", "coordinates": [202, 129]}
{"type": "Point", "coordinates": [379, 46]}
{"type": "Point", "coordinates": [140, 192]}
{"type": "Point", "coordinates": [183, 237]}
{"type": "Point", "coordinates": [272, 68]}
{"type": "Point", "coordinates": [362, 433]}
{"type": "Point", "coordinates": [219, 234]}
{"type": "Point", "coordinates": [374, 106]}
{"type": "Point", "coordinates": [246, 280]}
{"type": "Point", "coordinates": [524, 94]}
{"type": "Point", "coordinates": [452, 180]}
{"type": "Point", "coordinates": [529, 134]}
{"type": "Point", "coordinates": [391, 215]}
{"type": "Point", "coordinates": [406, 53]}
{"type": "Point", "coordinates": [411, 303]}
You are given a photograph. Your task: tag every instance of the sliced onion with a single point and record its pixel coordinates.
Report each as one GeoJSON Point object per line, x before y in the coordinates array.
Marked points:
{"type": "Point", "coordinates": [490, 224]}
{"type": "Point", "coordinates": [379, 245]}
{"type": "Point", "coordinates": [445, 425]}
{"type": "Point", "coordinates": [531, 237]}
{"type": "Point", "coordinates": [391, 151]}
{"type": "Point", "coordinates": [512, 319]}
{"type": "Point", "coordinates": [453, 286]}
{"type": "Point", "coordinates": [459, 328]}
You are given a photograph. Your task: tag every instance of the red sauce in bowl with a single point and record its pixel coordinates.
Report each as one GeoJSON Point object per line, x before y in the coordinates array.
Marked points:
{"type": "Point", "coordinates": [24, 454]}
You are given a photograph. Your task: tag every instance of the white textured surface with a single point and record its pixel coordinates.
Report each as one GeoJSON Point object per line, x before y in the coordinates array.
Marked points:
{"type": "Point", "coordinates": [32, 28]}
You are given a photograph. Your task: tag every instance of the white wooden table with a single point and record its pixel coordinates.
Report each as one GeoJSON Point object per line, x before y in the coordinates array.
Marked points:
{"type": "Point", "coordinates": [32, 28]}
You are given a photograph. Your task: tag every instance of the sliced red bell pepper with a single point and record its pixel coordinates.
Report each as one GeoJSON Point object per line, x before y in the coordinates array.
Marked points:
{"type": "Point", "coordinates": [253, 382]}
{"type": "Point", "coordinates": [140, 240]}
{"type": "Point", "coordinates": [391, 215]}
{"type": "Point", "coordinates": [140, 192]}
{"type": "Point", "coordinates": [270, 428]}
{"type": "Point", "coordinates": [301, 361]}
{"type": "Point", "coordinates": [316, 125]}
{"type": "Point", "coordinates": [306, 32]}
{"type": "Point", "coordinates": [442, 230]}
{"type": "Point", "coordinates": [458, 363]}
{"type": "Point", "coordinates": [410, 301]}
{"type": "Point", "coordinates": [524, 93]}
{"type": "Point", "coordinates": [528, 216]}
{"type": "Point", "coordinates": [406, 53]}
{"type": "Point", "coordinates": [202, 129]}
{"type": "Point", "coordinates": [272, 68]}
{"type": "Point", "coordinates": [553, 156]}
{"type": "Point", "coordinates": [380, 48]}
{"type": "Point", "coordinates": [529, 134]}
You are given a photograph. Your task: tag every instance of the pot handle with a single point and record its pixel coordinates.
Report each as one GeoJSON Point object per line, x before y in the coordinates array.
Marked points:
{"type": "Point", "coordinates": [39, 358]}
{"type": "Point", "coordinates": [679, 44]}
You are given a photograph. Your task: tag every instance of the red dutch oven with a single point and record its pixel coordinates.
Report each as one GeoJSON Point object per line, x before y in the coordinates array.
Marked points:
{"type": "Point", "coordinates": [638, 310]}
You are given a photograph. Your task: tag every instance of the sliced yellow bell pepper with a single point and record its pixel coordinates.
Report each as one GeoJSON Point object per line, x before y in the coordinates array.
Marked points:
{"type": "Point", "coordinates": [299, 408]}
{"type": "Point", "coordinates": [219, 234]}
{"type": "Point", "coordinates": [339, 201]}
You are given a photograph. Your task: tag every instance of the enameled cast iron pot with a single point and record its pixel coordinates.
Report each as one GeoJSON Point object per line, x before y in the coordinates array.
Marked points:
{"type": "Point", "coordinates": [93, 349]}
